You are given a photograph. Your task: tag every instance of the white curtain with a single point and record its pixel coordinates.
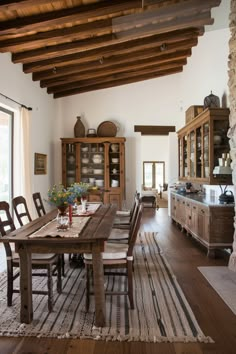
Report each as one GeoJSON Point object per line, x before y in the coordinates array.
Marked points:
{"type": "Point", "coordinates": [22, 158]}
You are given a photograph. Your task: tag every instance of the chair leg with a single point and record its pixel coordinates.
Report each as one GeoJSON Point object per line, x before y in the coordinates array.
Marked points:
{"type": "Point", "coordinates": [50, 289]}
{"type": "Point", "coordinates": [62, 256]}
{"type": "Point", "coordinates": [59, 271]}
{"type": "Point", "coordinates": [9, 283]}
{"type": "Point", "coordinates": [87, 286]}
{"type": "Point", "coordinates": [130, 284]}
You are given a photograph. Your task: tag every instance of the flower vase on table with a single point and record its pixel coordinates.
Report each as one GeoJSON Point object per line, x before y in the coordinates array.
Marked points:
{"type": "Point", "coordinates": [62, 209]}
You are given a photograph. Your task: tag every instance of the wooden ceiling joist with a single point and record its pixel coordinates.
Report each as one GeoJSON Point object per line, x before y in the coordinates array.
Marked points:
{"type": "Point", "coordinates": [121, 61]}
{"type": "Point", "coordinates": [117, 49]}
{"type": "Point", "coordinates": [115, 83]}
{"type": "Point", "coordinates": [151, 72]}
{"type": "Point", "coordinates": [109, 39]}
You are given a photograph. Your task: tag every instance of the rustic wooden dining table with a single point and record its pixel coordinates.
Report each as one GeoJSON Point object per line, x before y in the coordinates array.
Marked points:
{"type": "Point", "coordinates": [90, 240]}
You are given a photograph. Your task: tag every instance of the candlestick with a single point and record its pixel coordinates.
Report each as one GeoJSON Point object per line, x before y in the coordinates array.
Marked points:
{"type": "Point", "coordinates": [70, 214]}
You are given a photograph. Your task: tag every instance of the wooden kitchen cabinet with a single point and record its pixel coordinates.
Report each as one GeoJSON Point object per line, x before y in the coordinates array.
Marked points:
{"type": "Point", "coordinates": [99, 162]}
{"type": "Point", "coordinates": [201, 143]}
{"type": "Point", "coordinates": [211, 225]}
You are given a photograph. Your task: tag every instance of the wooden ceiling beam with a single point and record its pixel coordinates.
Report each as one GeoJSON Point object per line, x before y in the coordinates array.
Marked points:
{"type": "Point", "coordinates": [105, 63]}
{"type": "Point", "coordinates": [9, 5]}
{"type": "Point", "coordinates": [115, 83]}
{"type": "Point", "coordinates": [100, 27]}
{"type": "Point", "coordinates": [136, 65]}
{"type": "Point", "coordinates": [107, 40]}
{"type": "Point", "coordinates": [40, 39]}
{"type": "Point", "coordinates": [154, 129]}
{"type": "Point", "coordinates": [120, 48]}
{"type": "Point", "coordinates": [73, 14]}
{"type": "Point", "coordinates": [149, 69]}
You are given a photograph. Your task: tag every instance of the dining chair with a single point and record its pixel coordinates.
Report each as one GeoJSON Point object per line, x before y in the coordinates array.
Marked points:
{"type": "Point", "coordinates": [121, 233]}
{"type": "Point", "coordinates": [21, 210]}
{"type": "Point", "coordinates": [116, 256]}
{"type": "Point", "coordinates": [123, 220]}
{"type": "Point", "coordinates": [47, 261]}
{"type": "Point", "coordinates": [39, 204]}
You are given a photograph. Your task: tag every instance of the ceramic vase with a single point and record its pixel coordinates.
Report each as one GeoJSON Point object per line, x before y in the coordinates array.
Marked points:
{"type": "Point", "coordinates": [79, 129]}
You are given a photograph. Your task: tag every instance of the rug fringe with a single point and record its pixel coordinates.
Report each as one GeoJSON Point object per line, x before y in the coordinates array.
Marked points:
{"type": "Point", "coordinates": [117, 338]}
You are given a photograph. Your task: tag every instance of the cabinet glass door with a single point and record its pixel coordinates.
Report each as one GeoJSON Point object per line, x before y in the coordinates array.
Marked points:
{"type": "Point", "coordinates": [192, 153]}
{"type": "Point", "coordinates": [181, 166]}
{"type": "Point", "coordinates": [114, 165]}
{"type": "Point", "coordinates": [185, 157]}
{"type": "Point", "coordinates": [199, 157]}
{"type": "Point", "coordinates": [70, 164]}
{"type": "Point", "coordinates": [221, 143]}
{"type": "Point", "coordinates": [206, 152]}
{"type": "Point", "coordinates": [92, 164]}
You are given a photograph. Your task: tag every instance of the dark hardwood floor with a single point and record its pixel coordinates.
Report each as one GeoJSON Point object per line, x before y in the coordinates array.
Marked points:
{"type": "Point", "coordinates": [184, 256]}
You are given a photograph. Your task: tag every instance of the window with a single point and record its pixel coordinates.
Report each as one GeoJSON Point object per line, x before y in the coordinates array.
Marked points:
{"type": "Point", "coordinates": [6, 154]}
{"type": "Point", "coordinates": [153, 174]}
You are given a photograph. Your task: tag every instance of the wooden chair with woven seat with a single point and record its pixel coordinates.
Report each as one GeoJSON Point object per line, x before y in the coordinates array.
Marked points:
{"type": "Point", "coordinates": [46, 261]}
{"type": "Point", "coordinates": [116, 256]}
{"type": "Point", "coordinates": [124, 221]}
{"type": "Point", "coordinates": [21, 210]}
{"type": "Point", "coordinates": [39, 204]}
{"type": "Point", "coordinates": [122, 233]}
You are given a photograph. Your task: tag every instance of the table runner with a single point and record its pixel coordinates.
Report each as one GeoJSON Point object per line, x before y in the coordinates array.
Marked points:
{"type": "Point", "coordinates": [91, 208]}
{"type": "Point", "coordinates": [50, 229]}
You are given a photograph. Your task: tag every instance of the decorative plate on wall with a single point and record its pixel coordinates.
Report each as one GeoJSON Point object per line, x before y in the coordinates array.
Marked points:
{"type": "Point", "coordinates": [107, 128]}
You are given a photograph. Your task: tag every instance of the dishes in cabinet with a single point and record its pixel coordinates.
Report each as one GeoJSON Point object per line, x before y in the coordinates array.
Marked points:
{"type": "Point", "coordinates": [92, 180]}
{"type": "Point", "coordinates": [70, 180]}
{"type": "Point", "coordinates": [114, 147]}
{"type": "Point", "coordinates": [84, 149]}
{"type": "Point", "coordinates": [84, 170]}
{"type": "Point", "coordinates": [114, 183]}
{"type": "Point", "coordinates": [98, 171]}
{"type": "Point", "coordinates": [115, 160]}
{"type": "Point", "coordinates": [217, 139]}
{"type": "Point", "coordinates": [71, 159]}
{"type": "Point", "coordinates": [97, 158]}
{"type": "Point", "coordinates": [70, 172]}
{"type": "Point", "coordinates": [85, 160]}
{"type": "Point", "coordinates": [99, 182]}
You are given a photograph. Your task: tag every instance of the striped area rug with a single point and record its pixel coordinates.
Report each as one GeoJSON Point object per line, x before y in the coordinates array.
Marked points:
{"type": "Point", "coordinates": [161, 312]}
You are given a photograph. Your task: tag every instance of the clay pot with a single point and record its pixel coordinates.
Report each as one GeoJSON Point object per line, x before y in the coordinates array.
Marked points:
{"type": "Point", "coordinates": [79, 129]}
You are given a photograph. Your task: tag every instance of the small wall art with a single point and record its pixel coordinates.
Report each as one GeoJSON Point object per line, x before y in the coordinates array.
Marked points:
{"type": "Point", "coordinates": [40, 164]}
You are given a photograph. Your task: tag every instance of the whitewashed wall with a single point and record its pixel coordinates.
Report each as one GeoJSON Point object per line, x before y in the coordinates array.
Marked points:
{"type": "Point", "coordinates": [20, 87]}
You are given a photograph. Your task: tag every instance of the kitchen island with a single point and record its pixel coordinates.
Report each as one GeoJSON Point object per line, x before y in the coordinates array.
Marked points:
{"type": "Point", "coordinates": [204, 218]}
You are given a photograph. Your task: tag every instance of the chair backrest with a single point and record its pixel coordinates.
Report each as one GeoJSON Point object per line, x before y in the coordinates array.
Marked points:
{"type": "Point", "coordinates": [134, 232]}
{"type": "Point", "coordinates": [39, 204]}
{"type": "Point", "coordinates": [6, 225]}
{"type": "Point", "coordinates": [134, 213]}
{"type": "Point", "coordinates": [21, 210]}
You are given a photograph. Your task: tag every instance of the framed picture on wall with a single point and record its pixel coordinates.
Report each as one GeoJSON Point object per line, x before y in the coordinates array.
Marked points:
{"type": "Point", "coordinates": [40, 164]}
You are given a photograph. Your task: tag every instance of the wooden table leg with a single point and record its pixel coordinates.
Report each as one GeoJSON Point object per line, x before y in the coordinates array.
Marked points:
{"type": "Point", "coordinates": [26, 310]}
{"type": "Point", "coordinates": [99, 292]}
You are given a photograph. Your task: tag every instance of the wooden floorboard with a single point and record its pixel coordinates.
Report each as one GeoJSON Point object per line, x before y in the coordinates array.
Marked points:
{"type": "Point", "coordinates": [184, 256]}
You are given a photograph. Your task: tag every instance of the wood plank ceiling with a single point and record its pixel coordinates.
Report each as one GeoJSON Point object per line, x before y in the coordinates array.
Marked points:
{"type": "Point", "coordinates": [76, 46]}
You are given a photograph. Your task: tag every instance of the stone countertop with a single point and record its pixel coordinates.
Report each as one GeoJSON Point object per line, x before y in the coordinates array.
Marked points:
{"type": "Point", "coordinates": [203, 199]}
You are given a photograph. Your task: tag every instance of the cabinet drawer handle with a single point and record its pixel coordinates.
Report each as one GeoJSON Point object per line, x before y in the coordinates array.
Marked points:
{"type": "Point", "coordinates": [202, 211]}
{"type": "Point", "coordinates": [190, 217]}
{"type": "Point", "coordinates": [194, 207]}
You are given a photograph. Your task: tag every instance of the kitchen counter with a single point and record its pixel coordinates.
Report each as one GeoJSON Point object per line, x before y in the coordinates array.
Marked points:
{"type": "Point", "coordinates": [203, 199]}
